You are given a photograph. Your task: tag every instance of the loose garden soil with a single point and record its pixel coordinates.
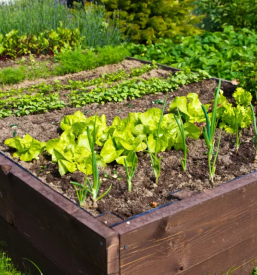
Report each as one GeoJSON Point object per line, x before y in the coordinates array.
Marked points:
{"type": "Point", "coordinates": [145, 194]}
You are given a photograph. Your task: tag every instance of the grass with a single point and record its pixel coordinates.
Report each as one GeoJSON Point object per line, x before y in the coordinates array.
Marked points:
{"type": "Point", "coordinates": [34, 17]}
{"type": "Point", "coordinates": [7, 267]}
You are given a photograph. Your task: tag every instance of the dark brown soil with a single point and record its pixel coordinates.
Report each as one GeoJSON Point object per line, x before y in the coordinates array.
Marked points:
{"type": "Point", "coordinates": [146, 194]}
{"type": "Point", "coordinates": [13, 63]}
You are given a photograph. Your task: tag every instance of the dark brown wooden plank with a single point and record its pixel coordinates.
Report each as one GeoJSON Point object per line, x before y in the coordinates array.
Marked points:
{"type": "Point", "coordinates": [241, 256]}
{"type": "Point", "coordinates": [109, 219]}
{"type": "Point", "coordinates": [186, 233]}
{"type": "Point", "coordinates": [18, 247]}
{"type": "Point", "coordinates": [64, 232]}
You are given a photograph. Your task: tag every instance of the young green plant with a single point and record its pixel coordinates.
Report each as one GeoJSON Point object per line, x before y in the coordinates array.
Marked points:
{"type": "Point", "coordinates": [130, 172]}
{"type": "Point", "coordinates": [238, 134]}
{"type": "Point", "coordinates": [181, 129]}
{"type": "Point", "coordinates": [155, 161]}
{"type": "Point", "coordinates": [209, 134]}
{"type": "Point", "coordinates": [92, 188]}
{"type": "Point", "coordinates": [255, 129]}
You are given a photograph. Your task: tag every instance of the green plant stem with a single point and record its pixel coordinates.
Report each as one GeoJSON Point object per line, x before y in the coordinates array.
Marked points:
{"type": "Point", "coordinates": [130, 172]}
{"type": "Point", "coordinates": [181, 129]}
{"type": "Point", "coordinates": [212, 167]}
{"type": "Point", "coordinates": [255, 129]}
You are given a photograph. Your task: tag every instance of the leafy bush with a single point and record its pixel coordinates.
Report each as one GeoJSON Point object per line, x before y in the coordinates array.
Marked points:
{"type": "Point", "coordinates": [223, 54]}
{"type": "Point", "coordinates": [80, 60]}
{"type": "Point", "coordinates": [12, 45]}
{"type": "Point", "coordinates": [12, 75]}
{"type": "Point", "coordinates": [75, 61]}
{"type": "Point", "coordinates": [147, 20]}
{"type": "Point", "coordinates": [220, 13]}
{"type": "Point", "coordinates": [35, 17]}
{"type": "Point", "coordinates": [111, 55]}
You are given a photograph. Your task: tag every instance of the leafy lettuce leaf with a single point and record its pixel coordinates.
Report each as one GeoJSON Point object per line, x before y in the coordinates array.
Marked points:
{"type": "Point", "coordinates": [28, 148]}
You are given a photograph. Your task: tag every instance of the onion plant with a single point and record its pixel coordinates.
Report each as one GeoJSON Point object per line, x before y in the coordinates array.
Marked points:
{"type": "Point", "coordinates": [181, 129]}
{"type": "Point", "coordinates": [88, 187]}
{"type": "Point", "coordinates": [255, 129]}
{"type": "Point", "coordinates": [209, 134]}
{"type": "Point", "coordinates": [155, 160]}
{"type": "Point", "coordinates": [130, 172]}
{"type": "Point", "coordinates": [238, 134]}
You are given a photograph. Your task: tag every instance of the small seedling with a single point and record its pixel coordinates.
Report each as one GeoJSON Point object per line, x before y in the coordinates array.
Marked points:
{"type": "Point", "coordinates": [181, 129]}
{"type": "Point", "coordinates": [209, 134]}
{"type": "Point", "coordinates": [155, 161]}
{"type": "Point", "coordinates": [130, 172]}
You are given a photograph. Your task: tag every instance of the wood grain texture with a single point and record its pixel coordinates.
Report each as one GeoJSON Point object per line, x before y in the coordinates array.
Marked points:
{"type": "Point", "coordinates": [19, 247]}
{"type": "Point", "coordinates": [241, 256]}
{"type": "Point", "coordinates": [64, 232]}
{"type": "Point", "coordinates": [182, 235]}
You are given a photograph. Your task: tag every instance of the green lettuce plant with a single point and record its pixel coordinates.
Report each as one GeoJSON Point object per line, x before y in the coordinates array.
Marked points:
{"type": "Point", "coordinates": [28, 148]}
{"type": "Point", "coordinates": [209, 134]}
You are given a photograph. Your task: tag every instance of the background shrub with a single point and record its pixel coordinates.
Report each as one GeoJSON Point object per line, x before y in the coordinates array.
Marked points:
{"type": "Point", "coordinates": [111, 55]}
{"type": "Point", "coordinates": [225, 54]}
{"type": "Point", "coordinates": [30, 17]}
{"type": "Point", "coordinates": [220, 13]}
{"type": "Point", "coordinates": [148, 20]}
{"type": "Point", "coordinates": [73, 61]}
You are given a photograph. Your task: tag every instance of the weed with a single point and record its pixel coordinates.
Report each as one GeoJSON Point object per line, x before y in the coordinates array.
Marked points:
{"type": "Point", "coordinates": [12, 75]}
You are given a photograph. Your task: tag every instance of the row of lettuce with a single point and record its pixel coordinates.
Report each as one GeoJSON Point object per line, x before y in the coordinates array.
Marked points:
{"type": "Point", "coordinates": [151, 131]}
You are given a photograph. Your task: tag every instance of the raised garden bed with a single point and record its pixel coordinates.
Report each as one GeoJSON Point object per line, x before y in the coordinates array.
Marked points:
{"type": "Point", "coordinates": [196, 230]}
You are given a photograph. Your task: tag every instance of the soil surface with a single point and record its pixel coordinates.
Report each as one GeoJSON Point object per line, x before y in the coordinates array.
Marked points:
{"type": "Point", "coordinates": [80, 76]}
{"type": "Point", "coordinates": [145, 194]}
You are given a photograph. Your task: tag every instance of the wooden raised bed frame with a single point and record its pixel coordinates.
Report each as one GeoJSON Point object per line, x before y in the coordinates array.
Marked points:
{"type": "Point", "coordinates": [208, 233]}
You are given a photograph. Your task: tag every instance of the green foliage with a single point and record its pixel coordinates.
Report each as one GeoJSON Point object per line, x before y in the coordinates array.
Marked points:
{"type": "Point", "coordinates": [6, 265]}
{"type": "Point", "coordinates": [73, 61]}
{"type": "Point", "coordinates": [219, 13]}
{"type": "Point", "coordinates": [12, 75]}
{"type": "Point", "coordinates": [13, 45]}
{"type": "Point", "coordinates": [235, 116]}
{"type": "Point", "coordinates": [147, 20]}
{"type": "Point", "coordinates": [111, 55]}
{"type": "Point", "coordinates": [28, 148]}
{"type": "Point", "coordinates": [33, 18]}
{"type": "Point", "coordinates": [255, 128]}
{"type": "Point", "coordinates": [30, 104]}
{"type": "Point", "coordinates": [190, 111]}
{"type": "Point", "coordinates": [227, 54]}
{"type": "Point", "coordinates": [134, 89]}
{"type": "Point", "coordinates": [209, 134]}
{"type": "Point", "coordinates": [242, 97]}
{"type": "Point", "coordinates": [182, 132]}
